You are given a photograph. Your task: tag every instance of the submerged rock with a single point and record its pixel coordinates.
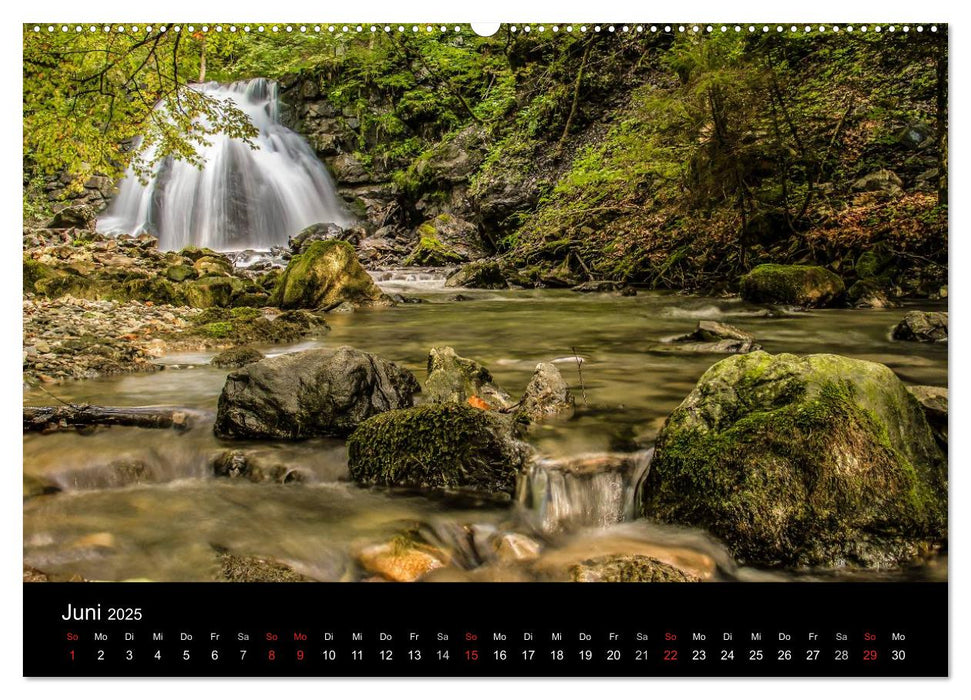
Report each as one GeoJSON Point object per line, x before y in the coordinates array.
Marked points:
{"type": "Point", "coordinates": [923, 327]}
{"type": "Point", "coordinates": [236, 357]}
{"type": "Point", "coordinates": [715, 337]}
{"type": "Point", "coordinates": [546, 394]}
{"type": "Point", "coordinates": [401, 559]}
{"type": "Point", "coordinates": [603, 286]}
{"type": "Point", "coordinates": [512, 547]}
{"type": "Point", "coordinates": [313, 393]}
{"type": "Point", "coordinates": [630, 568]}
{"type": "Point", "coordinates": [324, 275]}
{"type": "Point", "coordinates": [441, 447]}
{"type": "Point", "coordinates": [800, 285]}
{"type": "Point", "coordinates": [934, 401]}
{"type": "Point", "coordinates": [248, 569]}
{"type": "Point", "coordinates": [802, 461]}
{"type": "Point", "coordinates": [456, 379]}
{"type": "Point", "coordinates": [236, 464]}
{"type": "Point", "coordinates": [481, 274]}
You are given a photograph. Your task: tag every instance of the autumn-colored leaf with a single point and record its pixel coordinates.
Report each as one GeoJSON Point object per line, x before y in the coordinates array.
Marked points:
{"type": "Point", "coordinates": [476, 402]}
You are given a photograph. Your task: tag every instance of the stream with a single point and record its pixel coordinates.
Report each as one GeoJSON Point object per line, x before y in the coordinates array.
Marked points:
{"type": "Point", "coordinates": [143, 504]}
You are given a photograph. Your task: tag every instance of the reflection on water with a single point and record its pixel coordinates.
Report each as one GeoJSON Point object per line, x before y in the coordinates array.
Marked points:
{"type": "Point", "coordinates": [141, 503]}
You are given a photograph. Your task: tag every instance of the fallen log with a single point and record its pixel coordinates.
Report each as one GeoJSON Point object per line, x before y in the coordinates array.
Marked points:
{"type": "Point", "coordinates": [49, 419]}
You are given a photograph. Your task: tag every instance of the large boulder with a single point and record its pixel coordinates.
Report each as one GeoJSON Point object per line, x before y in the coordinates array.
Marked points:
{"type": "Point", "coordinates": [481, 274]}
{"type": "Point", "coordinates": [326, 274]}
{"type": "Point", "coordinates": [546, 394]}
{"type": "Point", "coordinates": [445, 240]}
{"type": "Point", "coordinates": [439, 447]}
{"type": "Point", "coordinates": [308, 394]}
{"type": "Point", "coordinates": [923, 327]}
{"type": "Point", "coordinates": [882, 181]}
{"type": "Point", "coordinates": [802, 461]}
{"type": "Point", "coordinates": [934, 401]}
{"type": "Point", "coordinates": [81, 216]}
{"type": "Point", "coordinates": [799, 285]}
{"type": "Point", "coordinates": [456, 379]}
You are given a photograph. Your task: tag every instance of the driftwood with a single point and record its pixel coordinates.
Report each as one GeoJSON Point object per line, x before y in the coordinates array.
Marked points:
{"type": "Point", "coordinates": [49, 419]}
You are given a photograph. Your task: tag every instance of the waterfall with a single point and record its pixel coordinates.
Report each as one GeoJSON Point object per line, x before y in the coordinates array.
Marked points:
{"type": "Point", "coordinates": [581, 491]}
{"type": "Point", "coordinates": [242, 197]}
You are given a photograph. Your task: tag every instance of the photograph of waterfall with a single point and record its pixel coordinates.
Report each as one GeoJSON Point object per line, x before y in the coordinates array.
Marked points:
{"type": "Point", "coordinates": [563, 303]}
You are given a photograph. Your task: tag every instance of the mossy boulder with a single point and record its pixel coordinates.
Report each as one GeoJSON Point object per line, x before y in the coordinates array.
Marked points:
{"type": "Point", "coordinates": [446, 240]}
{"type": "Point", "coordinates": [194, 253]}
{"type": "Point", "coordinates": [180, 273]}
{"type": "Point", "coordinates": [323, 276]}
{"type": "Point", "coordinates": [34, 272]}
{"type": "Point", "coordinates": [213, 265]}
{"type": "Point", "coordinates": [628, 568]}
{"type": "Point", "coordinates": [456, 379]}
{"type": "Point", "coordinates": [431, 251]}
{"type": "Point", "coordinates": [819, 460]}
{"type": "Point", "coordinates": [799, 285]}
{"type": "Point", "coordinates": [210, 291]}
{"type": "Point", "coordinates": [236, 357]}
{"type": "Point", "coordinates": [315, 393]}
{"type": "Point", "coordinates": [481, 274]}
{"type": "Point", "coordinates": [447, 448]}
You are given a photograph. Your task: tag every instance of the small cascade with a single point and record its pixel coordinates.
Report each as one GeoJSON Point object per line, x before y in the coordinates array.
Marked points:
{"type": "Point", "coordinates": [410, 279]}
{"type": "Point", "coordinates": [583, 491]}
{"type": "Point", "coordinates": [242, 197]}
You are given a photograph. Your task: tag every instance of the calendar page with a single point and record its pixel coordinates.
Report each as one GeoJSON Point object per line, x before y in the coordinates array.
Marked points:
{"type": "Point", "coordinates": [438, 349]}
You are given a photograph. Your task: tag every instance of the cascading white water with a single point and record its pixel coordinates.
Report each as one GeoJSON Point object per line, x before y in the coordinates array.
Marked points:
{"type": "Point", "coordinates": [598, 489]}
{"type": "Point", "coordinates": [242, 197]}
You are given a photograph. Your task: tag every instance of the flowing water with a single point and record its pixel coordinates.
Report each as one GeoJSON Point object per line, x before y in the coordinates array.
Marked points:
{"type": "Point", "coordinates": [243, 197]}
{"type": "Point", "coordinates": [143, 503]}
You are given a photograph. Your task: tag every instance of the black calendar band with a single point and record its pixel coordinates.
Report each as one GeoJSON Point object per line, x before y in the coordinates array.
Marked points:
{"type": "Point", "coordinates": [342, 630]}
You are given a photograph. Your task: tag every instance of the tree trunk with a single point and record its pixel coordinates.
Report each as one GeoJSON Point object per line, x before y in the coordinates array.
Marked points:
{"type": "Point", "coordinates": [48, 419]}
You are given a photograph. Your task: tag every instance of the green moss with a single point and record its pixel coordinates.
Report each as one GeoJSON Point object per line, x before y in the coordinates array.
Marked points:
{"type": "Point", "coordinates": [430, 250]}
{"type": "Point", "coordinates": [436, 446]}
{"type": "Point", "coordinates": [325, 274]}
{"type": "Point", "coordinates": [800, 285]}
{"type": "Point", "coordinates": [219, 329]}
{"type": "Point", "coordinates": [34, 272]}
{"type": "Point", "coordinates": [797, 462]}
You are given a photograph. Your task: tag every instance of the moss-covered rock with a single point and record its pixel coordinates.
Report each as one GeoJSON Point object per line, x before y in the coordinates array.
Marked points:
{"type": "Point", "coordinates": [799, 285]}
{"type": "Point", "coordinates": [456, 379]}
{"type": "Point", "coordinates": [431, 251]}
{"type": "Point", "coordinates": [446, 240]}
{"type": "Point", "coordinates": [236, 357]}
{"type": "Point", "coordinates": [213, 265]}
{"type": "Point", "coordinates": [481, 274]}
{"type": "Point", "coordinates": [209, 291]}
{"type": "Point", "coordinates": [327, 274]}
{"type": "Point", "coordinates": [440, 447]}
{"type": "Point", "coordinates": [630, 568]}
{"type": "Point", "coordinates": [802, 461]}
{"type": "Point", "coordinates": [180, 272]}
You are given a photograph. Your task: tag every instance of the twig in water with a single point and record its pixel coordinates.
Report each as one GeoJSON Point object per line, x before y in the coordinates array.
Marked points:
{"type": "Point", "coordinates": [583, 391]}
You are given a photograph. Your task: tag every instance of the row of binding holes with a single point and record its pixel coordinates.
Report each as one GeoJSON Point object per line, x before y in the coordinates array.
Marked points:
{"type": "Point", "coordinates": [429, 28]}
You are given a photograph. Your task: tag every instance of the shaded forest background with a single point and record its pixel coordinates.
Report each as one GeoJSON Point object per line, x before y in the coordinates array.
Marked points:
{"type": "Point", "coordinates": [671, 160]}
